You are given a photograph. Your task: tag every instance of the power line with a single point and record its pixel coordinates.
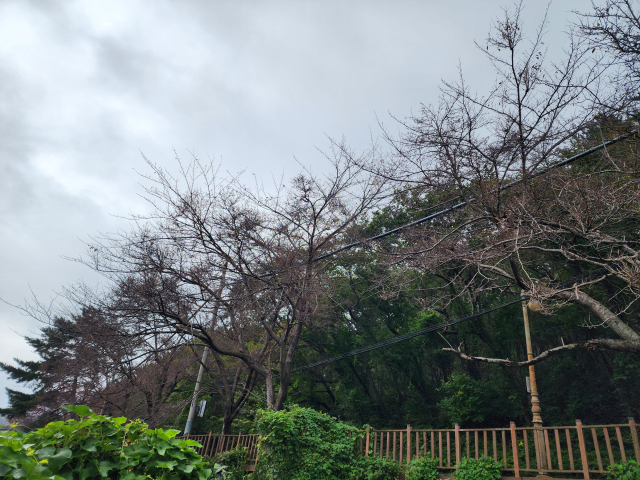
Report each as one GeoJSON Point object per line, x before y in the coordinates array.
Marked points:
{"type": "Point", "coordinates": [417, 333]}
{"type": "Point", "coordinates": [402, 338]}
{"type": "Point", "coordinates": [405, 337]}
{"type": "Point", "coordinates": [471, 200]}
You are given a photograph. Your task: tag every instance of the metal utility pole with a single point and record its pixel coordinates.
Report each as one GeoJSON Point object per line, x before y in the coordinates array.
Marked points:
{"type": "Point", "coordinates": [205, 355]}
{"type": "Point", "coordinates": [535, 401]}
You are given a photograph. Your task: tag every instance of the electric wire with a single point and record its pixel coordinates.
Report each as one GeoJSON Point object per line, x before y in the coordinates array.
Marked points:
{"type": "Point", "coordinates": [433, 328]}
{"type": "Point", "coordinates": [472, 200]}
{"type": "Point", "coordinates": [406, 336]}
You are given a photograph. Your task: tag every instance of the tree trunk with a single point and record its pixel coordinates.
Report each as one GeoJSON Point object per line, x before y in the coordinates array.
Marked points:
{"type": "Point", "coordinates": [226, 423]}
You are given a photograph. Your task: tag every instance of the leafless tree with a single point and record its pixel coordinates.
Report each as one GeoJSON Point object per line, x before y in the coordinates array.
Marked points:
{"type": "Point", "coordinates": [614, 29]}
{"type": "Point", "coordinates": [167, 271]}
{"type": "Point", "coordinates": [469, 147]}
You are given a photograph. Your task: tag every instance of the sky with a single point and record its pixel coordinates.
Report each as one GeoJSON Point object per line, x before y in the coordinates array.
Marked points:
{"type": "Point", "coordinates": [88, 87]}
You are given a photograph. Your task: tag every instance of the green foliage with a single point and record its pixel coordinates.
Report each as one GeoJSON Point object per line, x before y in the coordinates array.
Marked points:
{"type": "Point", "coordinates": [97, 446]}
{"type": "Point", "coordinates": [468, 401]}
{"type": "Point", "coordinates": [235, 462]}
{"type": "Point", "coordinates": [375, 468]}
{"type": "Point", "coordinates": [303, 444]}
{"type": "Point", "coordinates": [20, 402]}
{"type": "Point", "coordinates": [424, 468]}
{"type": "Point", "coordinates": [624, 471]}
{"type": "Point", "coordinates": [484, 468]}
{"type": "Point", "coordinates": [51, 346]}
{"type": "Point", "coordinates": [462, 400]}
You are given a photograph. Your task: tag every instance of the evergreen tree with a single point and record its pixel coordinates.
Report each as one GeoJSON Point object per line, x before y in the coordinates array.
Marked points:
{"type": "Point", "coordinates": [29, 374]}
{"type": "Point", "coordinates": [53, 347]}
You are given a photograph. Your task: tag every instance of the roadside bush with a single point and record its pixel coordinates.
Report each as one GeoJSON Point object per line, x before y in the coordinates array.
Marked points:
{"type": "Point", "coordinates": [376, 468]}
{"type": "Point", "coordinates": [484, 468]}
{"type": "Point", "coordinates": [97, 446]}
{"type": "Point", "coordinates": [235, 462]}
{"type": "Point", "coordinates": [422, 469]}
{"type": "Point", "coordinates": [302, 444]}
{"type": "Point", "coordinates": [624, 471]}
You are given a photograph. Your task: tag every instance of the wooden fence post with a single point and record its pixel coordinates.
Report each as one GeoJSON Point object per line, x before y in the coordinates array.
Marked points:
{"type": "Point", "coordinates": [457, 444]}
{"type": "Point", "coordinates": [408, 444]}
{"type": "Point", "coordinates": [634, 437]}
{"type": "Point", "coordinates": [366, 445]}
{"type": "Point", "coordinates": [514, 447]}
{"type": "Point", "coordinates": [583, 450]}
{"type": "Point", "coordinates": [208, 447]}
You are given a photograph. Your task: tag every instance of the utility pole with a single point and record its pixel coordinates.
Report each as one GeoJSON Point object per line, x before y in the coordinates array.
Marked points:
{"type": "Point", "coordinates": [535, 400]}
{"type": "Point", "coordinates": [205, 355]}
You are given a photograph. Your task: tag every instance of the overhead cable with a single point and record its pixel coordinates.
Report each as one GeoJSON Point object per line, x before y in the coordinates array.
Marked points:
{"type": "Point", "coordinates": [472, 200]}
{"type": "Point", "coordinates": [417, 333]}
{"type": "Point", "coordinates": [406, 336]}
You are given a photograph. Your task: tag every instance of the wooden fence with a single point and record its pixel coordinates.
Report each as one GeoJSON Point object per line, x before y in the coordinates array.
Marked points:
{"type": "Point", "coordinates": [577, 449]}
{"type": "Point", "coordinates": [549, 450]}
{"type": "Point", "coordinates": [214, 444]}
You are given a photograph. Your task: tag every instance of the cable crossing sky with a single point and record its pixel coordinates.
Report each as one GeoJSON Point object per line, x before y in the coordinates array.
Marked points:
{"type": "Point", "coordinates": [410, 335]}
{"type": "Point", "coordinates": [471, 200]}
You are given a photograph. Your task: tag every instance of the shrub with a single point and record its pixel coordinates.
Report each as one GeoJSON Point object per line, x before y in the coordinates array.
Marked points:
{"type": "Point", "coordinates": [624, 471]}
{"type": "Point", "coordinates": [484, 468]}
{"type": "Point", "coordinates": [375, 468]}
{"type": "Point", "coordinates": [235, 461]}
{"type": "Point", "coordinates": [422, 469]}
{"type": "Point", "coordinates": [302, 444]}
{"type": "Point", "coordinates": [97, 446]}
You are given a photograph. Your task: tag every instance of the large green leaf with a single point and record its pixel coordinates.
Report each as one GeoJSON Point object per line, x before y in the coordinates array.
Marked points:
{"type": "Point", "coordinates": [90, 444]}
{"type": "Point", "coordinates": [105, 467]}
{"type": "Point", "coordinates": [46, 453]}
{"type": "Point", "coordinates": [80, 410]}
{"type": "Point", "coordinates": [161, 447]}
{"type": "Point", "coordinates": [119, 421]}
{"type": "Point", "coordinates": [62, 457]}
{"type": "Point", "coordinates": [166, 464]}
{"type": "Point", "coordinates": [19, 473]}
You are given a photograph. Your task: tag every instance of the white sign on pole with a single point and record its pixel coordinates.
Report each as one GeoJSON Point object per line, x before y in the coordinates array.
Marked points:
{"type": "Point", "coordinates": [201, 406]}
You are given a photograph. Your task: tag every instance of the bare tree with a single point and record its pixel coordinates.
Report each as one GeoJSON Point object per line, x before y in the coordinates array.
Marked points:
{"type": "Point", "coordinates": [614, 29]}
{"type": "Point", "coordinates": [167, 270]}
{"type": "Point", "coordinates": [470, 146]}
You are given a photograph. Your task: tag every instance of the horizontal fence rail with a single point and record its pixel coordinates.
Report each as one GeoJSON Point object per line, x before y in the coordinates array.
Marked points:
{"type": "Point", "coordinates": [576, 449]}
{"type": "Point", "coordinates": [215, 444]}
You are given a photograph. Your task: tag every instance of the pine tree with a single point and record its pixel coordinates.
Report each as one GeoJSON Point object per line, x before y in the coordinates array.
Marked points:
{"type": "Point", "coordinates": [29, 374]}
{"type": "Point", "coordinates": [53, 347]}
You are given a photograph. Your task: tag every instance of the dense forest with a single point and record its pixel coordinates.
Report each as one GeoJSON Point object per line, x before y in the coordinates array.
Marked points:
{"type": "Point", "coordinates": [473, 211]}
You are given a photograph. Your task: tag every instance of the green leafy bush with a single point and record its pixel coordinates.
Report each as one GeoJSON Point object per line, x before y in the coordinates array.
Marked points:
{"type": "Point", "coordinates": [624, 471]}
{"type": "Point", "coordinates": [375, 468]}
{"type": "Point", "coordinates": [302, 444]}
{"type": "Point", "coordinates": [235, 462]}
{"type": "Point", "coordinates": [97, 446]}
{"type": "Point", "coordinates": [484, 468]}
{"type": "Point", "coordinates": [424, 468]}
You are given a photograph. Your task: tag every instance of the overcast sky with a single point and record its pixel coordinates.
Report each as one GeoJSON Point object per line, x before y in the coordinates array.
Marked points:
{"type": "Point", "coordinates": [86, 87]}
